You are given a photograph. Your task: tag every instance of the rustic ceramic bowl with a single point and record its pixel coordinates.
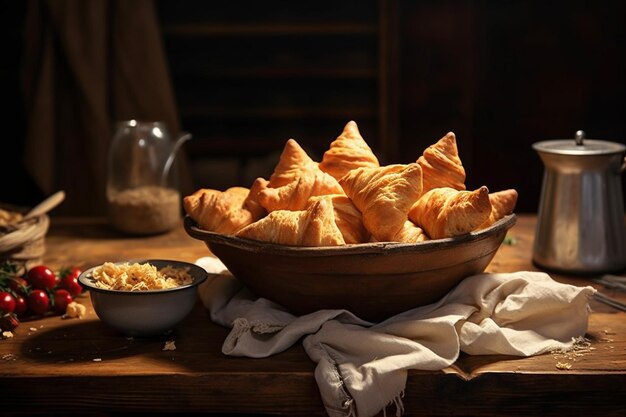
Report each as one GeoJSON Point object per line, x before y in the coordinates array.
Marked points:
{"type": "Point", "coordinates": [372, 280]}
{"type": "Point", "coordinates": [145, 313]}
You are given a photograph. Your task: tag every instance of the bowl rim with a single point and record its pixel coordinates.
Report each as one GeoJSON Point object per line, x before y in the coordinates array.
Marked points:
{"type": "Point", "coordinates": [84, 279]}
{"type": "Point", "coordinates": [196, 232]}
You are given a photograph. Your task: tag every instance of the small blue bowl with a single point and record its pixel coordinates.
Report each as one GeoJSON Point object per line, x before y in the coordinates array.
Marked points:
{"type": "Point", "coordinates": [145, 313]}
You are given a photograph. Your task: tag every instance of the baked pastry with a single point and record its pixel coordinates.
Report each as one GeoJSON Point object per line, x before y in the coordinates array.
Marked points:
{"type": "Point", "coordinates": [502, 204]}
{"type": "Point", "coordinates": [409, 203]}
{"type": "Point", "coordinates": [293, 160]}
{"type": "Point", "coordinates": [219, 211]}
{"type": "Point", "coordinates": [442, 166]}
{"type": "Point", "coordinates": [251, 203]}
{"type": "Point", "coordinates": [295, 194]}
{"type": "Point", "coordinates": [384, 196]}
{"type": "Point", "coordinates": [410, 233]}
{"type": "Point", "coordinates": [446, 212]}
{"type": "Point", "coordinates": [314, 226]}
{"type": "Point", "coordinates": [348, 218]}
{"type": "Point", "coordinates": [349, 151]}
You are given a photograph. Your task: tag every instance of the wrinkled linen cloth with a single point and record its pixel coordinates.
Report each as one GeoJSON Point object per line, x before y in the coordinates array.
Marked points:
{"type": "Point", "coordinates": [362, 366]}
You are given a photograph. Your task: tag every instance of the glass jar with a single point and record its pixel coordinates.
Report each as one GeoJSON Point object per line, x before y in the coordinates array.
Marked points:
{"type": "Point", "coordinates": [142, 189]}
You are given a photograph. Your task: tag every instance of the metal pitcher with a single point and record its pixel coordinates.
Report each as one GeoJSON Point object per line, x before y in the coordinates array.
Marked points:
{"type": "Point", "coordinates": [580, 223]}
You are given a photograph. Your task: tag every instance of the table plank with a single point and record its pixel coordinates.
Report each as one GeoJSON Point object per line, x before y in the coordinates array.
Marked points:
{"type": "Point", "coordinates": [136, 375]}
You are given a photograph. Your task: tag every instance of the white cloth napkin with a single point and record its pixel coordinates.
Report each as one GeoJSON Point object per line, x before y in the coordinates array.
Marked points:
{"type": "Point", "coordinates": [362, 366]}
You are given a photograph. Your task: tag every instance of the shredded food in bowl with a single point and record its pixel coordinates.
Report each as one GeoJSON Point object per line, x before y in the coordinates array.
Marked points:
{"type": "Point", "coordinates": [139, 277]}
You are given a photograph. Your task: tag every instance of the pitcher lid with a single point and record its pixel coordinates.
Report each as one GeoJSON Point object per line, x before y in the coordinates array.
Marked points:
{"type": "Point", "coordinates": [579, 146]}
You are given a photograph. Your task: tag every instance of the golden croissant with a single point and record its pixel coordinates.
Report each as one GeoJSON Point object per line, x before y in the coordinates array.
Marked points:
{"type": "Point", "coordinates": [219, 211]}
{"type": "Point", "coordinates": [293, 160]}
{"type": "Point", "coordinates": [502, 204]}
{"type": "Point", "coordinates": [441, 165]}
{"type": "Point", "coordinates": [251, 203]}
{"type": "Point", "coordinates": [295, 194]}
{"type": "Point", "coordinates": [314, 226]}
{"type": "Point", "coordinates": [410, 233]}
{"type": "Point", "coordinates": [349, 151]}
{"type": "Point", "coordinates": [446, 212]}
{"type": "Point", "coordinates": [348, 218]}
{"type": "Point", "coordinates": [384, 195]}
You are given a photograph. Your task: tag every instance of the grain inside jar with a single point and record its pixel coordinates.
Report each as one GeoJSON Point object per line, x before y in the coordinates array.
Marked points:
{"type": "Point", "coordinates": [145, 210]}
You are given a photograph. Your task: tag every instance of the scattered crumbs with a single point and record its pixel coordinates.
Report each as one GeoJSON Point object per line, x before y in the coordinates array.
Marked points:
{"type": "Point", "coordinates": [70, 360]}
{"type": "Point", "coordinates": [33, 329]}
{"type": "Point", "coordinates": [7, 334]}
{"type": "Point", "coordinates": [609, 332]}
{"type": "Point", "coordinates": [8, 357]}
{"type": "Point", "coordinates": [509, 240]}
{"type": "Point", "coordinates": [41, 326]}
{"type": "Point", "coordinates": [564, 357]}
{"type": "Point", "coordinates": [563, 366]}
{"type": "Point", "coordinates": [49, 352]}
{"type": "Point", "coordinates": [580, 345]}
{"type": "Point", "coordinates": [130, 338]}
{"type": "Point", "coordinates": [74, 310]}
{"type": "Point", "coordinates": [37, 348]}
{"type": "Point", "coordinates": [170, 345]}
{"type": "Point", "coordinates": [97, 359]}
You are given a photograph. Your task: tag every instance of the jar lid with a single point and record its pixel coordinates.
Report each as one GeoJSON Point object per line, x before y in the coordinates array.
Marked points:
{"type": "Point", "coordinates": [579, 146]}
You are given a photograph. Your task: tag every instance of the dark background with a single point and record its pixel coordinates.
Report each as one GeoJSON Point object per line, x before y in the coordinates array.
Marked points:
{"type": "Point", "coordinates": [249, 75]}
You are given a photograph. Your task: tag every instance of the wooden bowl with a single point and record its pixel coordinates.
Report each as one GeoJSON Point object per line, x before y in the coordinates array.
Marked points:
{"type": "Point", "coordinates": [372, 280]}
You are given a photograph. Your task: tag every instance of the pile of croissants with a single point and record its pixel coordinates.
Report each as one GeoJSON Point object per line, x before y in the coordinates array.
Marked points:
{"type": "Point", "coordinates": [348, 198]}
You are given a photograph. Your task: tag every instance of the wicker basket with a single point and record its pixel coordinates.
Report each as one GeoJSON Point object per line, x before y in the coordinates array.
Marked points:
{"type": "Point", "coordinates": [27, 242]}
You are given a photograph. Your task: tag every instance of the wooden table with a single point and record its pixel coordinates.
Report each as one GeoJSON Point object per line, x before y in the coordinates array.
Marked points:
{"type": "Point", "coordinates": [52, 365]}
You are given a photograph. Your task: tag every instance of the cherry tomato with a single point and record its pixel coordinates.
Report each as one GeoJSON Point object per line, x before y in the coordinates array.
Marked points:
{"type": "Point", "coordinates": [38, 301]}
{"type": "Point", "coordinates": [18, 285]}
{"type": "Point", "coordinates": [41, 277]}
{"type": "Point", "coordinates": [70, 283]}
{"type": "Point", "coordinates": [75, 272]}
{"type": "Point", "coordinates": [7, 303]}
{"type": "Point", "coordinates": [20, 305]}
{"type": "Point", "coordinates": [61, 299]}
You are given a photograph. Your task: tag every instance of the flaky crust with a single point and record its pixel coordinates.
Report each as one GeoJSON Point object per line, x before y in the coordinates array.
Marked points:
{"type": "Point", "coordinates": [348, 218]}
{"type": "Point", "coordinates": [410, 233]}
{"type": "Point", "coordinates": [295, 194]}
{"type": "Point", "coordinates": [446, 212]}
{"type": "Point", "coordinates": [349, 151]}
{"type": "Point", "coordinates": [384, 196]}
{"type": "Point", "coordinates": [251, 203]}
{"type": "Point", "coordinates": [502, 204]}
{"type": "Point", "coordinates": [293, 160]}
{"type": "Point", "coordinates": [314, 226]}
{"type": "Point", "coordinates": [442, 166]}
{"type": "Point", "coordinates": [219, 211]}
